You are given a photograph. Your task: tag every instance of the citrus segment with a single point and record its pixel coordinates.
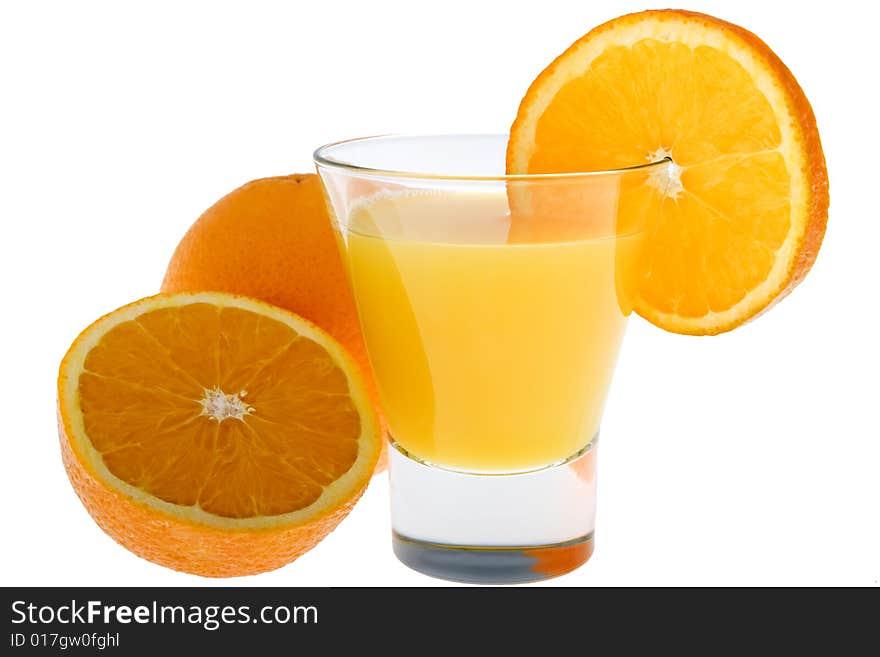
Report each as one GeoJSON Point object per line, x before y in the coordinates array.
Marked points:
{"type": "Point", "coordinates": [745, 199]}
{"type": "Point", "coordinates": [218, 415]}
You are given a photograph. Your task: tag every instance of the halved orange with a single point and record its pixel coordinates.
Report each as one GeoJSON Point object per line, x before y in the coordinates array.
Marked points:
{"type": "Point", "coordinates": [746, 199]}
{"type": "Point", "coordinates": [212, 433]}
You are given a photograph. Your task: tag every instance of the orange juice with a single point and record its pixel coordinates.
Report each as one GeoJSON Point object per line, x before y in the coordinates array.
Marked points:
{"type": "Point", "coordinates": [489, 356]}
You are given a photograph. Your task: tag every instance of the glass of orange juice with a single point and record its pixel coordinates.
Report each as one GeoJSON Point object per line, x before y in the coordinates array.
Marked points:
{"type": "Point", "coordinates": [493, 307]}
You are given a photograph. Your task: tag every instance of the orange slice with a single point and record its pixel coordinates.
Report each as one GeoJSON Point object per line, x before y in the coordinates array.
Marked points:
{"type": "Point", "coordinates": [214, 434]}
{"type": "Point", "coordinates": [746, 200]}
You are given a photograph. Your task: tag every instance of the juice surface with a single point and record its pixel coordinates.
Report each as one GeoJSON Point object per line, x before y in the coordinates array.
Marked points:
{"type": "Point", "coordinates": [489, 356]}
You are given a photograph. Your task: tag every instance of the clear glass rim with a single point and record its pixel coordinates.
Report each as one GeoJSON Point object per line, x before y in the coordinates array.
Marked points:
{"type": "Point", "coordinates": [322, 158]}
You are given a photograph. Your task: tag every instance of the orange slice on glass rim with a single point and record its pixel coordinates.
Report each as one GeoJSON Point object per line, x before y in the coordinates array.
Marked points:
{"type": "Point", "coordinates": [745, 200]}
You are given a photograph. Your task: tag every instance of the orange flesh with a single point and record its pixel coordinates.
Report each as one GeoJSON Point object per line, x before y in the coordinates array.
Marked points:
{"type": "Point", "coordinates": [141, 395]}
{"type": "Point", "coordinates": [720, 237]}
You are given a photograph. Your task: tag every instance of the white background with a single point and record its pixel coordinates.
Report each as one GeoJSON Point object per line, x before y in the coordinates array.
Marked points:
{"type": "Point", "coordinates": [749, 458]}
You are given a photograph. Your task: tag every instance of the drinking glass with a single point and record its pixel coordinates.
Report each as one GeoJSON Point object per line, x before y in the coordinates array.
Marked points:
{"type": "Point", "coordinates": [492, 307]}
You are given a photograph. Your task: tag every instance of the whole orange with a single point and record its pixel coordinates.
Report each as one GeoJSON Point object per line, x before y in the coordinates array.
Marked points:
{"type": "Point", "coordinates": [272, 239]}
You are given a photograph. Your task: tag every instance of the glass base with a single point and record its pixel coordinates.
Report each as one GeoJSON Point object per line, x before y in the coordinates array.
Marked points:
{"type": "Point", "coordinates": [492, 565]}
{"type": "Point", "coordinates": [493, 528]}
